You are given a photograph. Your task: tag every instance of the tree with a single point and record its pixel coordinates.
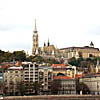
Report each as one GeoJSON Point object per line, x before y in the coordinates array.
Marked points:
{"type": "Point", "coordinates": [5, 89]}
{"type": "Point", "coordinates": [20, 87]}
{"type": "Point", "coordinates": [73, 61]}
{"type": "Point", "coordinates": [36, 87]}
{"type": "Point", "coordinates": [80, 86]}
{"type": "Point", "coordinates": [1, 87]}
{"type": "Point", "coordinates": [55, 86]}
{"type": "Point", "coordinates": [19, 55]}
{"type": "Point", "coordinates": [38, 59]}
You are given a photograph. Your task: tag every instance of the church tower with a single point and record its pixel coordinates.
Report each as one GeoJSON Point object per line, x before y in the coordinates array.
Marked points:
{"type": "Point", "coordinates": [35, 41]}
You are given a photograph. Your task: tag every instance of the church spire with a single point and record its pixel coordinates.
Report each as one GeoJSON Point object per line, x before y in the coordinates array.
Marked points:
{"type": "Point", "coordinates": [35, 41]}
{"type": "Point", "coordinates": [48, 42]}
{"type": "Point", "coordinates": [35, 28]}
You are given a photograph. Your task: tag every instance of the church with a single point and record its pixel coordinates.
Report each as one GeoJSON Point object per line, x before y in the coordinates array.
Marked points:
{"type": "Point", "coordinates": [50, 51]}
{"type": "Point", "coordinates": [47, 50]}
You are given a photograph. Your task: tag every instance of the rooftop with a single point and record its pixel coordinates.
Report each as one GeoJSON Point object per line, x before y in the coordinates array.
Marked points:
{"type": "Point", "coordinates": [16, 68]}
{"type": "Point", "coordinates": [58, 66]}
{"type": "Point", "coordinates": [91, 75]}
{"type": "Point", "coordinates": [85, 47]}
{"type": "Point", "coordinates": [62, 77]}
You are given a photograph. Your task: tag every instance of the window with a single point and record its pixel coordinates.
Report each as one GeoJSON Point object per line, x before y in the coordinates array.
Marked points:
{"type": "Point", "coordinates": [16, 71]}
{"type": "Point", "coordinates": [10, 71]}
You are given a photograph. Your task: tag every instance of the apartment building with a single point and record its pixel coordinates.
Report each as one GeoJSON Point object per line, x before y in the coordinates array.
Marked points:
{"type": "Point", "coordinates": [13, 77]}
{"type": "Point", "coordinates": [30, 76]}
{"type": "Point", "coordinates": [92, 80]}
{"type": "Point", "coordinates": [63, 70]}
{"type": "Point", "coordinates": [67, 85]}
{"type": "Point", "coordinates": [45, 77]}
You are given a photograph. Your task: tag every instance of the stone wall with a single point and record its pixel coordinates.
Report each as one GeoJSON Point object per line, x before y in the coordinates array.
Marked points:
{"type": "Point", "coordinates": [55, 97]}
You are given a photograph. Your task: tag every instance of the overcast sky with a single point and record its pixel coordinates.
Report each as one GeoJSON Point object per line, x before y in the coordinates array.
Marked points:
{"type": "Point", "coordinates": [65, 22]}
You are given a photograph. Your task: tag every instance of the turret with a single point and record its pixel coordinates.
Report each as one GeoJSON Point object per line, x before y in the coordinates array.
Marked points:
{"type": "Point", "coordinates": [91, 44]}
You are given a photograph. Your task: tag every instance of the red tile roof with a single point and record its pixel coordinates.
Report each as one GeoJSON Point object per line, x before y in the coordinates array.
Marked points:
{"type": "Point", "coordinates": [62, 77]}
{"type": "Point", "coordinates": [78, 76]}
{"type": "Point", "coordinates": [58, 66]}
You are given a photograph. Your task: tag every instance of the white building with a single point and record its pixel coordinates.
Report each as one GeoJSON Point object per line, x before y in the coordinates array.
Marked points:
{"type": "Point", "coordinates": [30, 75]}
{"type": "Point", "coordinates": [45, 77]}
{"type": "Point", "coordinates": [92, 81]}
{"type": "Point", "coordinates": [12, 77]}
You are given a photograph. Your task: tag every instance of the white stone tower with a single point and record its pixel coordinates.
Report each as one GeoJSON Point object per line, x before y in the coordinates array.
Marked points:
{"type": "Point", "coordinates": [35, 41]}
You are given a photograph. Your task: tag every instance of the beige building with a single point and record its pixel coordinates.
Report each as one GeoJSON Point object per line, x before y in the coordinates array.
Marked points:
{"type": "Point", "coordinates": [85, 52]}
{"type": "Point", "coordinates": [45, 77]}
{"type": "Point", "coordinates": [13, 77]}
{"type": "Point", "coordinates": [67, 85]}
{"type": "Point", "coordinates": [48, 50]}
{"type": "Point", "coordinates": [92, 81]}
{"type": "Point", "coordinates": [63, 70]}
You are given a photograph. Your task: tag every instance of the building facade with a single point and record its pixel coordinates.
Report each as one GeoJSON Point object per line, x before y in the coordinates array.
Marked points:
{"type": "Point", "coordinates": [67, 85]}
{"type": "Point", "coordinates": [45, 77]}
{"type": "Point", "coordinates": [13, 78]}
{"type": "Point", "coordinates": [77, 52]}
{"type": "Point", "coordinates": [63, 70]}
{"type": "Point", "coordinates": [30, 76]}
{"type": "Point", "coordinates": [1, 81]}
{"type": "Point", "coordinates": [92, 81]}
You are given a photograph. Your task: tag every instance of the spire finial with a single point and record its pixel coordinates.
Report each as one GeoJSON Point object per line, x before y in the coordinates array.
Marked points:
{"type": "Point", "coordinates": [35, 28]}
{"type": "Point", "coordinates": [48, 42]}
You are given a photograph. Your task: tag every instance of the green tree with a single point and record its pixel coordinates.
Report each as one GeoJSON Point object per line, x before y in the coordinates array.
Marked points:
{"type": "Point", "coordinates": [51, 61]}
{"type": "Point", "coordinates": [36, 87]}
{"type": "Point", "coordinates": [38, 59]}
{"type": "Point", "coordinates": [73, 61]}
{"type": "Point", "coordinates": [20, 88]}
{"type": "Point", "coordinates": [19, 55]}
{"type": "Point", "coordinates": [80, 86]}
{"type": "Point", "coordinates": [55, 86]}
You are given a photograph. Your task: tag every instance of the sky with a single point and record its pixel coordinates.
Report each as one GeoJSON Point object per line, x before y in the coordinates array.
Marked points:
{"type": "Point", "coordinates": [65, 23]}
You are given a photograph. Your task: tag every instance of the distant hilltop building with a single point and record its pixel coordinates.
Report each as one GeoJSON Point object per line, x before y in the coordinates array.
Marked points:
{"type": "Point", "coordinates": [77, 52]}
{"type": "Point", "coordinates": [49, 50]}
